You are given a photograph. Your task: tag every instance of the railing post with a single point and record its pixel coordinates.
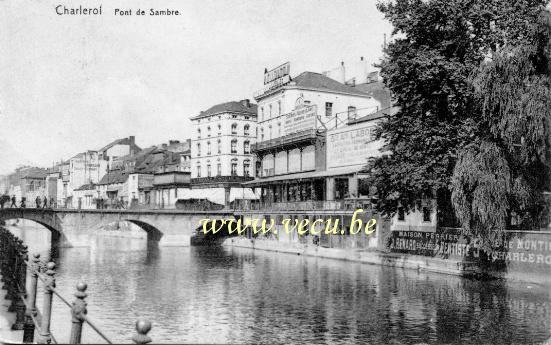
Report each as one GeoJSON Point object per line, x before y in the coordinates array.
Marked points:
{"type": "Point", "coordinates": [78, 312]}
{"type": "Point", "coordinates": [49, 284]}
{"type": "Point", "coordinates": [29, 327]}
{"type": "Point", "coordinates": [14, 291]}
{"type": "Point", "coordinates": [142, 328]}
{"type": "Point", "coordinates": [21, 290]}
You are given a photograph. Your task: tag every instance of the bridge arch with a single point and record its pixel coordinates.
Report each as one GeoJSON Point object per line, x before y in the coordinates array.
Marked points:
{"type": "Point", "coordinates": [153, 234]}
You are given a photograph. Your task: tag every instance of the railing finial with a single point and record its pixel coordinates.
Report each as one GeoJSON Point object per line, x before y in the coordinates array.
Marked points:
{"type": "Point", "coordinates": [142, 328]}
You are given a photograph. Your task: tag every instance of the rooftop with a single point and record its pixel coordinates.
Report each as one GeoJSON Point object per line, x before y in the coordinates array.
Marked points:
{"type": "Point", "coordinates": [319, 82]}
{"type": "Point", "coordinates": [243, 106]}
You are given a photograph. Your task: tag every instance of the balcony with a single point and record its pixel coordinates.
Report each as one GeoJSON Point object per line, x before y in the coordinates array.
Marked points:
{"type": "Point", "coordinates": [341, 205]}
{"type": "Point", "coordinates": [307, 136]}
{"type": "Point", "coordinates": [215, 179]}
{"type": "Point", "coordinates": [172, 178]}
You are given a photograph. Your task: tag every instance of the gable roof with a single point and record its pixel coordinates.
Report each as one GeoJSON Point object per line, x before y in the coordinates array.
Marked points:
{"type": "Point", "coordinates": [312, 80]}
{"type": "Point", "coordinates": [123, 141]}
{"type": "Point", "coordinates": [114, 176]}
{"type": "Point", "coordinates": [228, 107]}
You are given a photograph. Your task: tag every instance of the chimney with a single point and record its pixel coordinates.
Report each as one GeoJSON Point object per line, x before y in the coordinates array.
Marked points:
{"type": "Point", "coordinates": [131, 143]}
{"type": "Point", "coordinates": [361, 58]}
{"type": "Point", "coordinates": [246, 103]}
{"type": "Point", "coordinates": [342, 76]}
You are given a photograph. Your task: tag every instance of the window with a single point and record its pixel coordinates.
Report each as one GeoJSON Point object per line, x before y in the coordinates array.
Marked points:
{"type": "Point", "coordinates": [218, 169]}
{"type": "Point", "coordinates": [198, 149]}
{"type": "Point", "coordinates": [208, 148]}
{"type": "Point", "coordinates": [246, 130]}
{"type": "Point", "coordinates": [270, 128]}
{"type": "Point", "coordinates": [219, 146]}
{"type": "Point", "coordinates": [234, 128]}
{"type": "Point", "coordinates": [279, 111]}
{"type": "Point", "coordinates": [219, 129]}
{"type": "Point", "coordinates": [246, 117]}
{"type": "Point", "coordinates": [261, 113]}
{"type": "Point", "coordinates": [426, 214]}
{"type": "Point", "coordinates": [198, 170]}
{"type": "Point", "coordinates": [234, 116]}
{"type": "Point", "coordinates": [198, 133]}
{"type": "Point", "coordinates": [234, 146]}
{"type": "Point", "coordinates": [246, 147]}
{"type": "Point", "coordinates": [208, 131]}
{"type": "Point", "coordinates": [401, 213]}
{"type": "Point", "coordinates": [246, 167]}
{"type": "Point", "coordinates": [208, 170]}
{"type": "Point", "coordinates": [262, 134]}
{"type": "Point", "coordinates": [279, 129]}
{"type": "Point", "coordinates": [270, 114]}
{"type": "Point", "coordinates": [234, 167]}
{"type": "Point", "coordinates": [351, 112]}
{"type": "Point", "coordinates": [328, 109]}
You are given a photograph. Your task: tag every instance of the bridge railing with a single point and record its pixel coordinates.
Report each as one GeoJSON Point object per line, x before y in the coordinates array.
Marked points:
{"type": "Point", "coordinates": [14, 265]}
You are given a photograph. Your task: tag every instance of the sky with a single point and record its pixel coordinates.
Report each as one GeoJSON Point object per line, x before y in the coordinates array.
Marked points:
{"type": "Point", "coordinates": [75, 83]}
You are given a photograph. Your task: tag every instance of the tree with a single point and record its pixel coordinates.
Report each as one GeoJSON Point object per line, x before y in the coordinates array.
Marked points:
{"type": "Point", "coordinates": [499, 178]}
{"type": "Point", "coordinates": [450, 120]}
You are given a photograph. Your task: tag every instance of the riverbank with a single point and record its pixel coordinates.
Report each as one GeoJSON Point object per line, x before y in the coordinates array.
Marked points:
{"type": "Point", "coordinates": [368, 256]}
{"type": "Point", "coordinates": [371, 256]}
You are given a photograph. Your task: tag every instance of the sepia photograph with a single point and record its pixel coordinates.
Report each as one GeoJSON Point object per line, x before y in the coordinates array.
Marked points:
{"type": "Point", "coordinates": [275, 172]}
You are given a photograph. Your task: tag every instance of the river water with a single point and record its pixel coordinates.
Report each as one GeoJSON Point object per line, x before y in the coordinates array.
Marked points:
{"type": "Point", "coordinates": [240, 296]}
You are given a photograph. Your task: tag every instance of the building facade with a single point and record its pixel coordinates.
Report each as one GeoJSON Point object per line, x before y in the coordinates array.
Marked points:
{"type": "Point", "coordinates": [294, 119]}
{"type": "Point", "coordinates": [221, 157]}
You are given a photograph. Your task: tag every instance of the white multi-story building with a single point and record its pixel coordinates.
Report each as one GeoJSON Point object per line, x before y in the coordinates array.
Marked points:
{"type": "Point", "coordinates": [221, 149]}
{"type": "Point", "coordinates": [294, 117]}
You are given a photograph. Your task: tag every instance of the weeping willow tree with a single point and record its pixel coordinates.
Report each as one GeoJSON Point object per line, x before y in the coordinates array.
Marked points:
{"type": "Point", "coordinates": [499, 178]}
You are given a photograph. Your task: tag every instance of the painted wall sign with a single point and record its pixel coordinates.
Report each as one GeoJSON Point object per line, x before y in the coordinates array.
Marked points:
{"type": "Point", "coordinates": [522, 250]}
{"type": "Point", "coordinates": [300, 119]}
{"type": "Point", "coordinates": [352, 145]}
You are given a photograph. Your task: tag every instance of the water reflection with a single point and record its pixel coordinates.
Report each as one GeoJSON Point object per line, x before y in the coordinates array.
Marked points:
{"type": "Point", "coordinates": [225, 295]}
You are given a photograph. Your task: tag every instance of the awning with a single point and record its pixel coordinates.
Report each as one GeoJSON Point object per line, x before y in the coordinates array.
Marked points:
{"type": "Point", "coordinates": [215, 195]}
{"type": "Point", "coordinates": [306, 175]}
{"type": "Point", "coordinates": [243, 194]}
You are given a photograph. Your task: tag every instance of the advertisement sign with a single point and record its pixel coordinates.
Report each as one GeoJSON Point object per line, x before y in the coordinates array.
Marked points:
{"type": "Point", "coordinates": [300, 119]}
{"type": "Point", "coordinates": [277, 73]}
{"type": "Point", "coordinates": [275, 78]}
{"type": "Point", "coordinates": [352, 145]}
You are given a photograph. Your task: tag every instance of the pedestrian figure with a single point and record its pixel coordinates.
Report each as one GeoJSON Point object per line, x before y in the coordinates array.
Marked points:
{"type": "Point", "coordinates": [45, 202]}
{"type": "Point", "coordinates": [23, 202]}
{"type": "Point", "coordinates": [13, 201]}
{"type": "Point", "coordinates": [37, 200]}
{"type": "Point", "coordinates": [52, 203]}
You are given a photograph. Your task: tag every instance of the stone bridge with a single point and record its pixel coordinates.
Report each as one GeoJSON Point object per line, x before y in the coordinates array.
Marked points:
{"type": "Point", "coordinates": [70, 227]}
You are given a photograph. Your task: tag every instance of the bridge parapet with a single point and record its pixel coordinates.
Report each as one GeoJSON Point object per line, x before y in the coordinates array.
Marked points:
{"type": "Point", "coordinates": [73, 227]}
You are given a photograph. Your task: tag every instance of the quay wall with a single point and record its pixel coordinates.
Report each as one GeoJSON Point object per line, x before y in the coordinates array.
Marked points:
{"type": "Point", "coordinates": [521, 256]}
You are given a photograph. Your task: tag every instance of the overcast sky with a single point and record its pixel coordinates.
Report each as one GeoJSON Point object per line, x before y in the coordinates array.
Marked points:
{"type": "Point", "coordinates": [72, 83]}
